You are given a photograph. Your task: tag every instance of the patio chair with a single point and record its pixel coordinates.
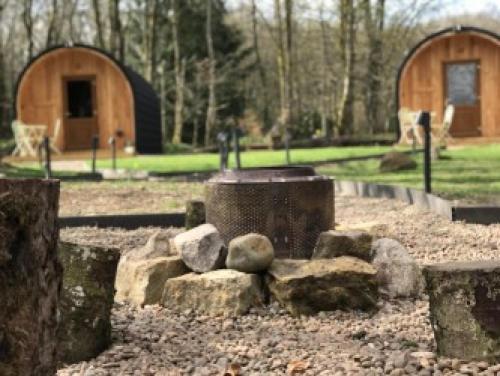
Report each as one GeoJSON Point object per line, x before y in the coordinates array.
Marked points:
{"type": "Point", "coordinates": [21, 144]}
{"type": "Point", "coordinates": [407, 120]}
{"type": "Point", "coordinates": [55, 136]}
{"type": "Point", "coordinates": [444, 129]}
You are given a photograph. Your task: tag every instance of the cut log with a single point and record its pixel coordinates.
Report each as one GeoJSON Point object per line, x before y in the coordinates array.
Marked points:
{"type": "Point", "coordinates": [86, 300]}
{"type": "Point", "coordinates": [464, 308]}
{"type": "Point", "coordinates": [30, 276]}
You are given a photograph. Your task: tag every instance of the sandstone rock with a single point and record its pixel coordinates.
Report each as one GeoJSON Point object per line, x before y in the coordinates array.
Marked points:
{"type": "Point", "coordinates": [222, 292]}
{"type": "Point", "coordinates": [141, 282]}
{"type": "Point", "coordinates": [333, 244]}
{"type": "Point", "coordinates": [158, 245]}
{"type": "Point", "coordinates": [398, 273]}
{"type": "Point", "coordinates": [201, 248]}
{"type": "Point", "coordinates": [396, 161]}
{"type": "Point", "coordinates": [250, 253]}
{"type": "Point", "coordinates": [464, 304]}
{"type": "Point", "coordinates": [307, 287]}
{"type": "Point", "coordinates": [86, 300]}
{"type": "Point", "coordinates": [195, 214]}
{"type": "Point", "coordinates": [374, 228]}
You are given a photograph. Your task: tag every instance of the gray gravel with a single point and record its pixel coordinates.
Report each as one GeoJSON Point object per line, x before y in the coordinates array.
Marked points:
{"type": "Point", "coordinates": [396, 340]}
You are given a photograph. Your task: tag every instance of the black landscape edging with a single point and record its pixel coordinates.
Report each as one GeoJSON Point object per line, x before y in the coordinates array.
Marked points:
{"type": "Point", "coordinates": [484, 215]}
{"type": "Point", "coordinates": [125, 221]}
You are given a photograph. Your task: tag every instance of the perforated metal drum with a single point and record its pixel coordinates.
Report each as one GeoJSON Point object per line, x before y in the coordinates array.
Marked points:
{"type": "Point", "coordinates": [290, 205]}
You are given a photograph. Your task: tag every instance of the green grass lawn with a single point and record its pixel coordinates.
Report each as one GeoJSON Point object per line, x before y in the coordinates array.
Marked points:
{"type": "Point", "coordinates": [254, 158]}
{"type": "Point", "coordinates": [470, 174]}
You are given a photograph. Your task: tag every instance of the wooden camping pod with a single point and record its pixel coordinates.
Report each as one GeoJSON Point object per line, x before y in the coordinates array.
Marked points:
{"type": "Point", "coordinates": [93, 95]}
{"type": "Point", "coordinates": [460, 66]}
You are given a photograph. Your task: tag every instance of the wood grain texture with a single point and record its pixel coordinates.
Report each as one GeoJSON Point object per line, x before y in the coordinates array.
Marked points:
{"type": "Point", "coordinates": [40, 97]}
{"type": "Point", "coordinates": [422, 83]}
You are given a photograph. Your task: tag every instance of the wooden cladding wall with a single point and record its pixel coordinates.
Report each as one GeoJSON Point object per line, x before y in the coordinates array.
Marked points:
{"type": "Point", "coordinates": [40, 92]}
{"type": "Point", "coordinates": [421, 85]}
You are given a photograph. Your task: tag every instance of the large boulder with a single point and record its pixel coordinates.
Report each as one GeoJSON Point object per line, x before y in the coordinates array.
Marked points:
{"type": "Point", "coordinates": [251, 253]}
{"type": "Point", "coordinates": [398, 273]}
{"type": "Point", "coordinates": [86, 300]}
{"type": "Point", "coordinates": [201, 248]}
{"type": "Point", "coordinates": [464, 307]}
{"type": "Point", "coordinates": [142, 272]}
{"type": "Point", "coordinates": [333, 244]}
{"type": "Point", "coordinates": [396, 161]}
{"type": "Point", "coordinates": [222, 292]}
{"type": "Point", "coordinates": [307, 287]}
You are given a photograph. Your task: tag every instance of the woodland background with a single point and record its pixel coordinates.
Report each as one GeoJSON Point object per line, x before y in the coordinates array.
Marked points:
{"type": "Point", "coordinates": [317, 68]}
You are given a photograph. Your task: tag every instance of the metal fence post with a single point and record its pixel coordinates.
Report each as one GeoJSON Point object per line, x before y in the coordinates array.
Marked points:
{"type": "Point", "coordinates": [424, 120]}
{"type": "Point", "coordinates": [236, 141]}
{"type": "Point", "coordinates": [95, 143]}
{"type": "Point", "coordinates": [46, 149]}
{"type": "Point", "coordinates": [112, 143]}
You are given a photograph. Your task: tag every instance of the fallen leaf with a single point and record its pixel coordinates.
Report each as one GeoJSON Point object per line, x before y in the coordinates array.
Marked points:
{"type": "Point", "coordinates": [296, 366]}
{"type": "Point", "coordinates": [234, 369]}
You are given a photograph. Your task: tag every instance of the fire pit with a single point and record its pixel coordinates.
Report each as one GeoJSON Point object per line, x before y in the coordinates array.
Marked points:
{"type": "Point", "coordinates": [290, 205]}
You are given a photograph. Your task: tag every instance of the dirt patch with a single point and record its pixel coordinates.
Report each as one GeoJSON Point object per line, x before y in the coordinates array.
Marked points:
{"type": "Point", "coordinates": [93, 198]}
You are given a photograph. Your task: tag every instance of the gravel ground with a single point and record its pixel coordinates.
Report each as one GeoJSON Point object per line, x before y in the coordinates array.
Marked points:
{"type": "Point", "coordinates": [396, 340]}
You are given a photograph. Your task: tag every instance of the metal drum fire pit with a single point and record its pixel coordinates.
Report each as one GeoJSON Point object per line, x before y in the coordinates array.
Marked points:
{"type": "Point", "coordinates": [290, 205]}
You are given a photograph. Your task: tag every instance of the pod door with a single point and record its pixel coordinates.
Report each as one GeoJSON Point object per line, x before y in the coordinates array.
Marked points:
{"type": "Point", "coordinates": [462, 90]}
{"type": "Point", "coordinates": [80, 112]}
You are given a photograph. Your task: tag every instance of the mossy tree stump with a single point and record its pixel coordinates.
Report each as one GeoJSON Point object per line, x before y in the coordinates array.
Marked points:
{"type": "Point", "coordinates": [30, 276]}
{"type": "Point", "coordinates": [195, 214]}
{"type": "Point", "coordinates": [464, 302]}
{"type": "Point", "coordinates": [86, 300]}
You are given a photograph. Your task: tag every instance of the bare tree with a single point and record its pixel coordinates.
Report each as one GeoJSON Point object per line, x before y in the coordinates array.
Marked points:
{"type": "Point", "coordinates": [54, 25]}
{"type": "Point", "coordinates": [374, 27]}
{"type": "Point", "coordinates": [3, 92]}
{"type": "Point", "coordinates": [28, 25]}
{"type": "Point", "coordinates": [96, 5]}
{"type": "Point", "coordinates": [260, 66]}
{"type": "Point", "coordinates": [150, 39]}
{"type": "Point", "coordinates": [116, 38]}
{"type": "Point", "coordinates": [281, 64]}
{"type": "Point", "coordinates": [180, 73]}
{"type": "Point", "coordinates": [347, 37]}
{"type": "Point", "coordinates": [211, 118]}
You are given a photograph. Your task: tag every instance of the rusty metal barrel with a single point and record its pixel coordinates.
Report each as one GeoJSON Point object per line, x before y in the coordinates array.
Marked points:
{"type": "Point", "coordinates": [290, 205]}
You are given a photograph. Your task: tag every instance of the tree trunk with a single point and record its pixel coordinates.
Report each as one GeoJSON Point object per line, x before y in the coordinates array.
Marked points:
{"type": "Point", "coordinates": [345, 116]}
{"type": "Point", "coordinates": [212, 103]}
{"type": "Point", "coordinates": [262, 72]}
{"type": "Point", "coordinates": [28, 25]}
{"type": "Point", "coordinates": [30, 277]}
{"type": "Point", "coordinates": [149, 39]}
{"type": "Point", "coordinates": [180, 69]}
{"type": "Point", "coordinates": [53, 29]}
{"type": "Point", "coordinates": [116, 39]}
{"type": "Point", "coordinates": [374, 25]}
{"type": "Point", "coordinates": [281, 62]}
{"type": "Point", "coordinates": [289, 66]}
{"type": "Point", "coordinates": [4, 104]}
{"type": "Point", "coordinates": [98, 24]}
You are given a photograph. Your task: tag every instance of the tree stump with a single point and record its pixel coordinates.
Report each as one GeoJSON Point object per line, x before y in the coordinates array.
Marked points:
{"type": "Point", "coordinates": [88, 291]}
{"type": "Point", "coordinates": [464, 300]}
{"type": "Point", "coordinates": [30, 276]}
{"type": "Point", "coordinates": [195, 214]}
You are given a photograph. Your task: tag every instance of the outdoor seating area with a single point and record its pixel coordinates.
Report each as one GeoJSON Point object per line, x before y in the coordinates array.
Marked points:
{"type": "Point", "coordinates": [29, 137]}
{"type": "Point", "coordinates": [249, 188]}
{"type": "Point", "coordinates": [412, 134]}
